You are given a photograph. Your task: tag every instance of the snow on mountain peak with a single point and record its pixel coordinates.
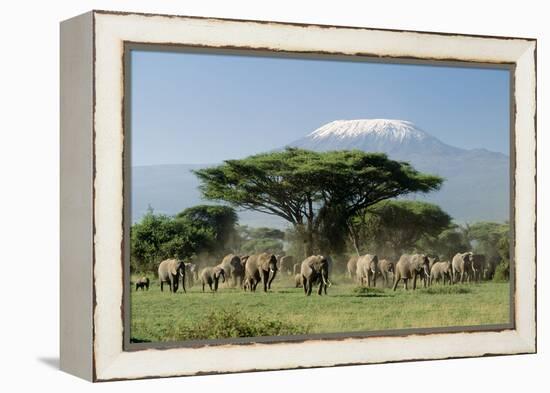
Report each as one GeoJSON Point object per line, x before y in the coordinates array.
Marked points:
{"type": "Point", "coordinates": [395, 130]}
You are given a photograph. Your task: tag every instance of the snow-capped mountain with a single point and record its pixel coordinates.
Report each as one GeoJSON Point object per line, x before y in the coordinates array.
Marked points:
{"type": "Point", "coordinates": [394, 130]}
{"type": "Point", "coordinates": [389, 136]}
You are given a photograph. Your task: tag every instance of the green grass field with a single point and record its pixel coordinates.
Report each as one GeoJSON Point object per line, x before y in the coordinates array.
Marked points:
{"type": "Point", "coordinates": [230, 312]}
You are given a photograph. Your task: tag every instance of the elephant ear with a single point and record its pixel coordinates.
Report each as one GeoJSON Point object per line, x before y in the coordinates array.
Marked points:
{"type": "Point", "coordinates": [173, 268]}
{"type": "Point", "coordinates": [219, 272]}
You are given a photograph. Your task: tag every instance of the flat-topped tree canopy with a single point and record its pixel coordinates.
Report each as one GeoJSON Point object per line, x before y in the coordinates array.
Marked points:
{"type": "Point", "coordinates": [296, 184]}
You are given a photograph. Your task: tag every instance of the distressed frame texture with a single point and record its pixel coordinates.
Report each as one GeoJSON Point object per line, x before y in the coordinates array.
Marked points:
{"type": "Point", "coordinates": [92, 314]}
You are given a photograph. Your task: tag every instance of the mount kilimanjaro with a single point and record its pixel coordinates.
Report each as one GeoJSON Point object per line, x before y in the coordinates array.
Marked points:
{"type": "Point", "coordinates": [476, 183]}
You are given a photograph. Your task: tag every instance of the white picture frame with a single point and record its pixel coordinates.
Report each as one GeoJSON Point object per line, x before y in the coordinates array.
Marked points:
{"type": "Point", "coordinates": [92, 194]}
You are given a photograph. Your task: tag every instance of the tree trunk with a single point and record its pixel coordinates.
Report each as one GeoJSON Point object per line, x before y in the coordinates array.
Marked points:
{"type": "Point", "coordinates": [353, 237]}
{"type": "Point", "coordinates": [309, 228]}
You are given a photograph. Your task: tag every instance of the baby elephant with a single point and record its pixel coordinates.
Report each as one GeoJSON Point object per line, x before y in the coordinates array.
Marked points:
{"type": "Point", "coordinates": [142, 283]}
{"type": "Point", "coordinates": [298, 280]}
{"type": "Point", "coordinates": [211, 275]}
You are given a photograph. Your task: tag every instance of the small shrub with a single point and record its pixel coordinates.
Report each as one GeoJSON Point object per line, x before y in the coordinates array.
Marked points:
{"type": "Point", "coordinates": [233, 324]}
{"type": "Point", "coordinates": [502, 272]}
{"type": "Point", "coordinates": [368, 292]}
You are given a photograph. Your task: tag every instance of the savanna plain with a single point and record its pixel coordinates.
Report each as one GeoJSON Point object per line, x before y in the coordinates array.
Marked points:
{"type": "Point", "coordinates": [230, 312]}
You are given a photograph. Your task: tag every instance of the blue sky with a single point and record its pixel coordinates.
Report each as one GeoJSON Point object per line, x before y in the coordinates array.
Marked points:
{"type": "Point", "coordinates": [204, 108]}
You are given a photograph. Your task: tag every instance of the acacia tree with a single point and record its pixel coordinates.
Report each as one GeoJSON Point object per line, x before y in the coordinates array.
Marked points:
{"type": "Point", "coordinates": [296, 184]}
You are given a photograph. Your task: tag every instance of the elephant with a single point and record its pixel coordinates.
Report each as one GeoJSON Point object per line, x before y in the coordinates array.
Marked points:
{"type": "Point", "coordinates": [462, 266]}
{"type": "Point", "coordinates": [385, 267]}
{"type": "Point", "coordinates": [170, 271]}
{"type": "Point", "coordinates": [296, 268]}
{"type": "Point", "coordinates": [367, 269]}
{"type": "Point", "coordinates": [411, 267]}
{"type": "Point", "coordinates": [142, 283]}
{"type": "Point", "coordinates": [433, 260]}
{"type": "Point", "coordinates": [478, 265]}
{"type": "Point", "coordinates": [233, 268]}
{"type": "Point", "coordinates": [244, 258]}
{"type": "Point", "coordinates": [191, 273]}
{"type": "Point", "coordinates": [441, 271]}
{"type": "Point", "coordinates": [261, 267]}
{"type": "Point", "coordinates": [315, 268]}
{"type": "Point", "coordinates": [211, 275]}
{"type": "Point", "coordinates": [352, 266]}
{"type": "Point", "coordinates": [490, 267]}
{"type": "Point", "coordinates": [298, 280]}
{"type": "Point", "coordinates": [285, 263]}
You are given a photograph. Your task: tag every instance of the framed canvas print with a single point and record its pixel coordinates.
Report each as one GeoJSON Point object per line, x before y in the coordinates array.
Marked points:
{"type": "Point", "coordinates": [247, 195]}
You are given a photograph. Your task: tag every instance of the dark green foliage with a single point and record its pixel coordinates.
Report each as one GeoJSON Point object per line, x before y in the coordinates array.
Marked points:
{"type": "Point", "coordinates": [261, 233]}
{"type": "Point", "coordinates": [256, 246]}
{"type": "Point", "coordinates": [157, 237]}
{"type": "Point", "coordinates": [296, 184]}
{"type": "Point", "coordinates": [233, 324]}
{"type": "Point", "coordinates": [332, 232]}
{"type": "Point", "coordinates": [391, 228]}
{"type": "Point", "coordinates": [220, 220]}
{"type": "Point", "coordinates": [368, 292]}
{"type": "Point", "coordinates": [502, 271]}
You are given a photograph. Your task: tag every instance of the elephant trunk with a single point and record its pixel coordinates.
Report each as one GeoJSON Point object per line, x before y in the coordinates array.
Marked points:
{"type": "Point", "coordinates": [325, 279]}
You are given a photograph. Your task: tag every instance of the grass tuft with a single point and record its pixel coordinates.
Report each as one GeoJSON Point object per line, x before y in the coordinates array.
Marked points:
{"type": "Point", "coordinates": [445, 290]}
{"type": "Point", "coordinates": [368, 292]}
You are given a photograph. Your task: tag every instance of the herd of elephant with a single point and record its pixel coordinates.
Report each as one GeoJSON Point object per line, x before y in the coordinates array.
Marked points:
{"type": "Point", "coordinates": [463, 267]}
{"type": "Point", "coordinates": [247, 271]}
